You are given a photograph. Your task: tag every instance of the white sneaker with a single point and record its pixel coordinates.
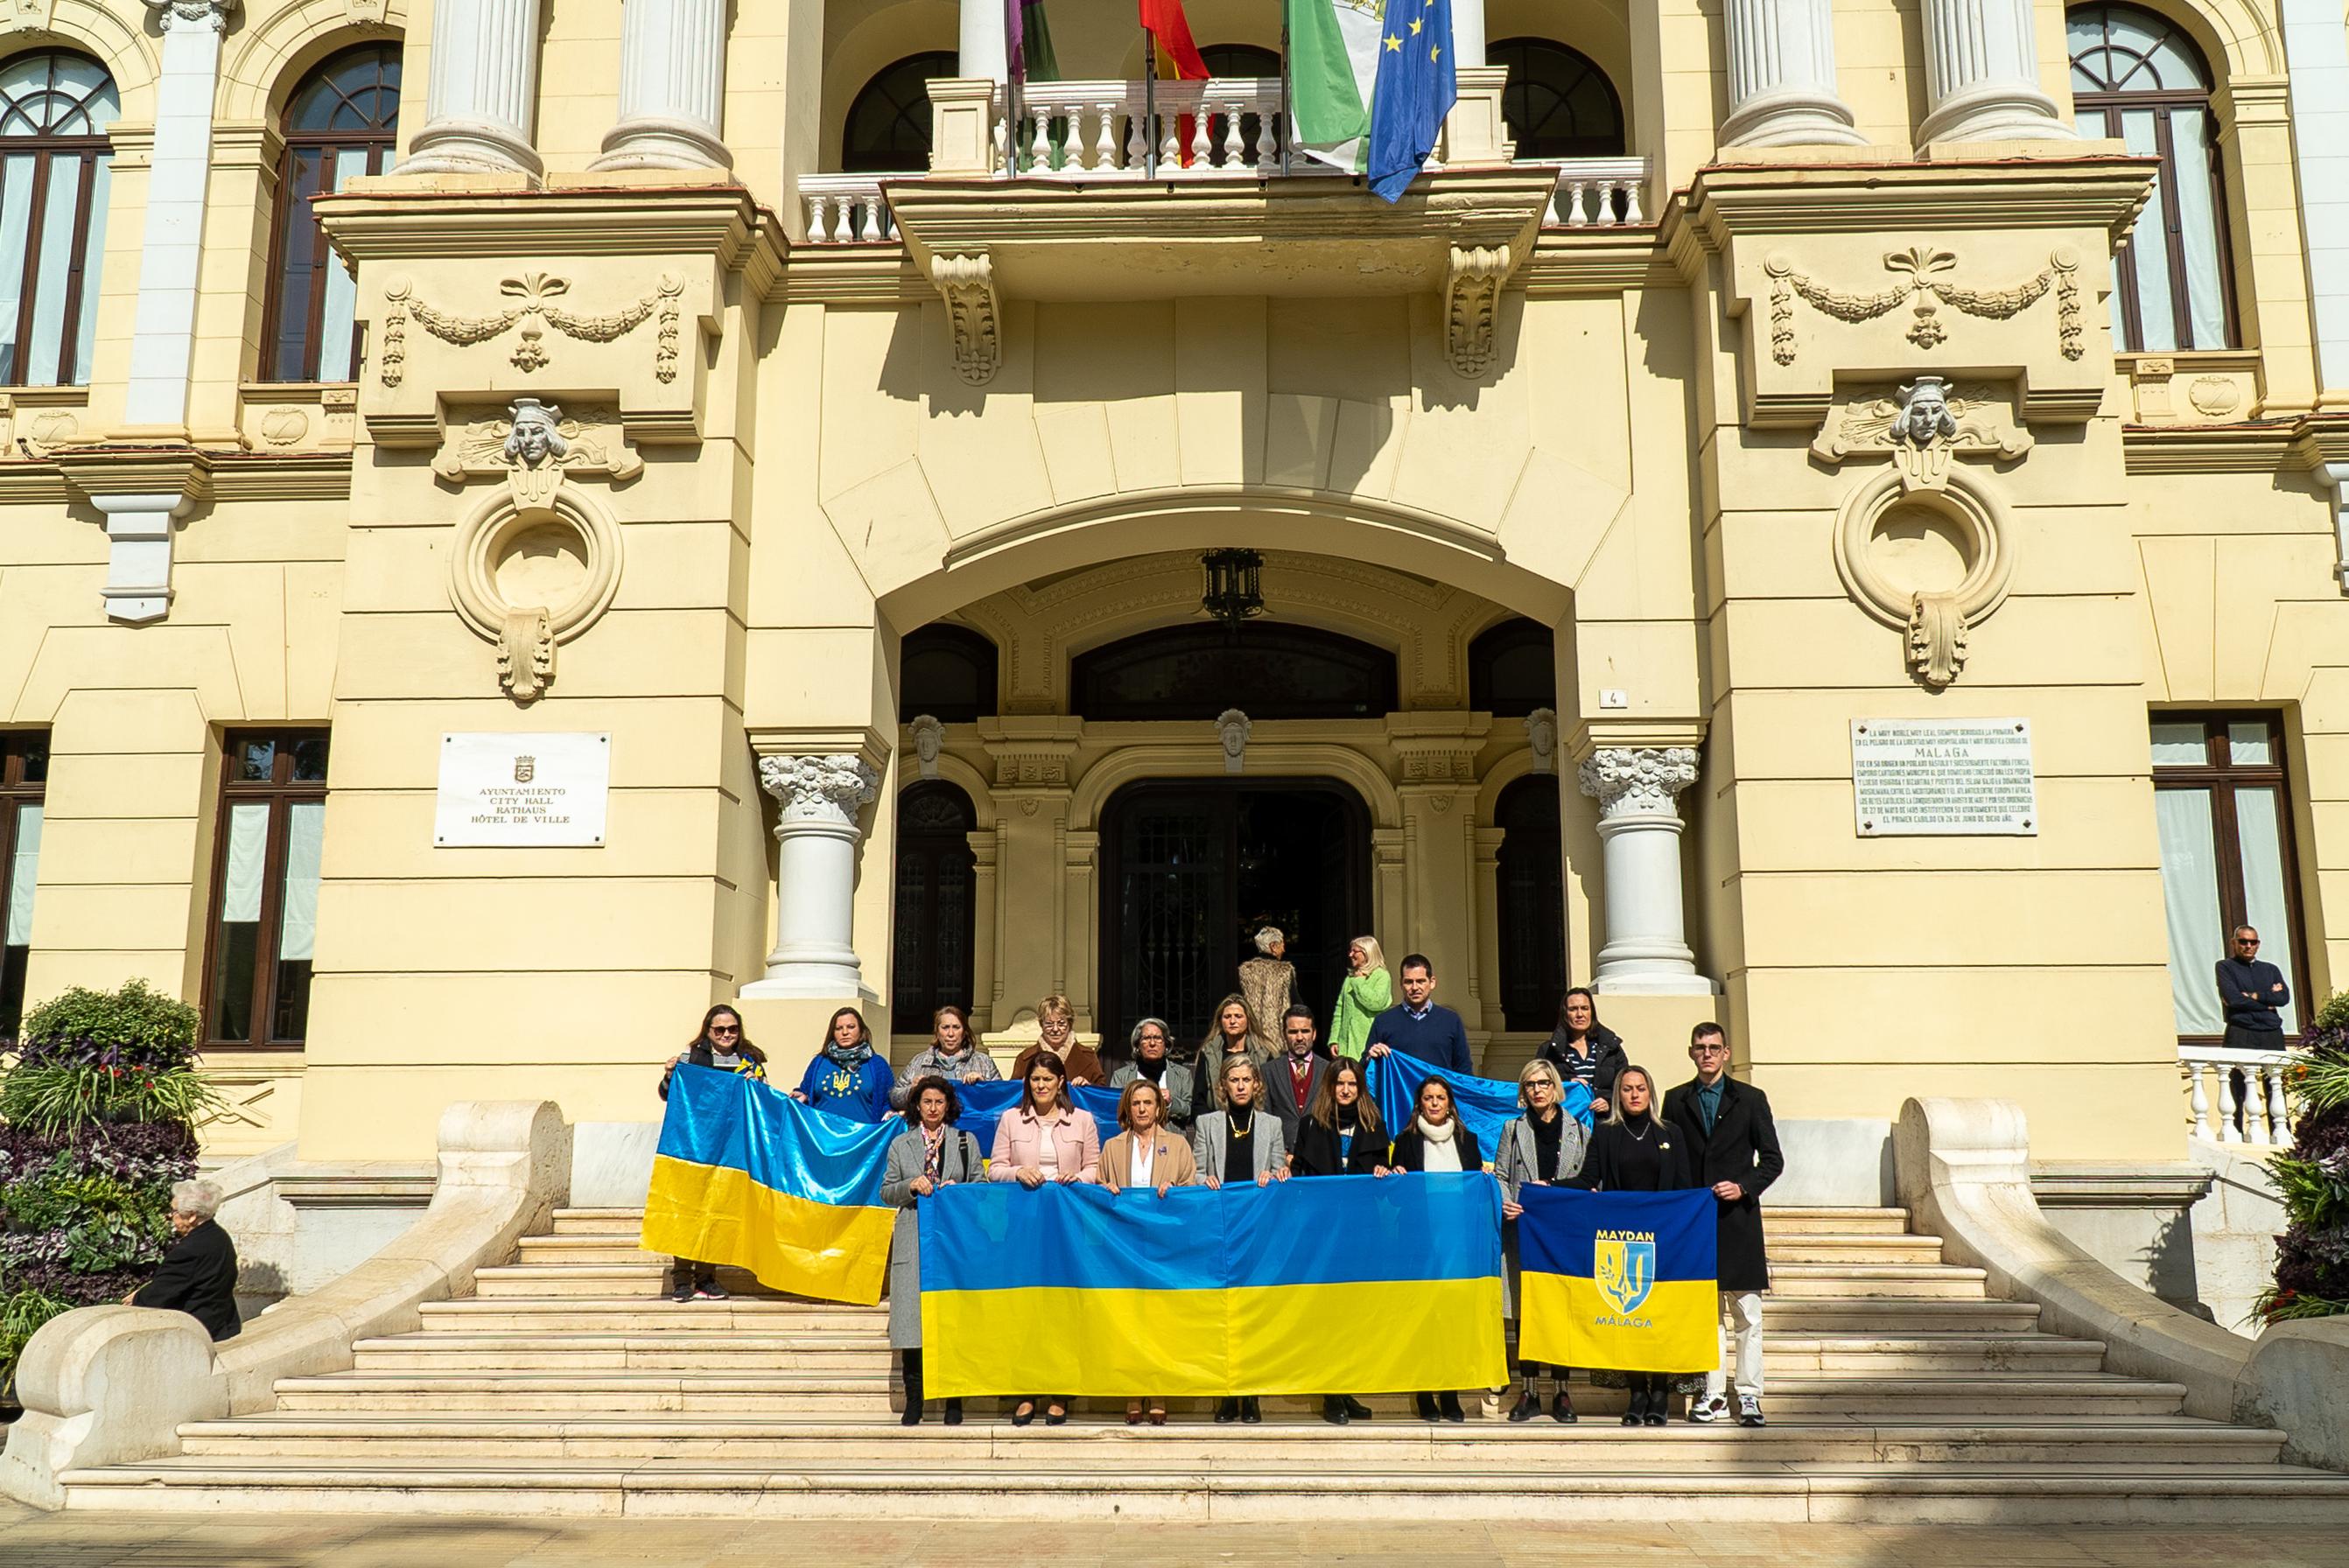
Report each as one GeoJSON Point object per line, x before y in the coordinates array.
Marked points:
{"type": "Point", "coordinates": [1705, 1411]}
{"type": "Point", "coordinates": [1749, 1411]}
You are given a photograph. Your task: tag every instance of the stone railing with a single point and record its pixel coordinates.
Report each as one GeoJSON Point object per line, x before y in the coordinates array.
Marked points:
{"type": "Point", "coordinates": [846, 209]}
{"type": "Point", "coordinates": [2237, 1096]}
{"type": "Point", "coordinates": [1597, 192]}
{"type": "Point", "coordinates": [1225, 126]}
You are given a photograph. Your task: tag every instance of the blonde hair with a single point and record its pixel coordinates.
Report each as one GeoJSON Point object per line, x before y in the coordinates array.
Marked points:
{"type": "Point", "coordinates": [1370, 950]}
{"type": "Point", "coordinates": [1538, 1068]}
{"type": "Point", "coordinates": [1615, 1100]}
{"type": "Point", "coordinates": [1055, 1006]}
{"type": "Point", "coordinates": [1213, 1044]}
{"type": "Point", "coordinates": [1237, 1061]}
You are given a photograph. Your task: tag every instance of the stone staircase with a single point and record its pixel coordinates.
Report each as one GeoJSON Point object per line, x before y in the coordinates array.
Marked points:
{"type": "Point", "coordinates": [566, 1386]}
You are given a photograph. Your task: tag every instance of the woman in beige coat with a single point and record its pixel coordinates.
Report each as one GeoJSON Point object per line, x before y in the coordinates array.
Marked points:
{"type": "Point", "coordinates": [1145, 1156]}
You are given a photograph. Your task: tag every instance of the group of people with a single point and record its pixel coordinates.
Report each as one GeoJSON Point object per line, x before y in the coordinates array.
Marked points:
{"type": "Point", "coordinates": [1264, 1100]}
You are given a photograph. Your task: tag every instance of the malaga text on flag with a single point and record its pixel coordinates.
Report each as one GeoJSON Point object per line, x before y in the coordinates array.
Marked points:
{"type": "Point", "coordinates": [747, 1175]}
{"type": "Point", "coordinates": [1621, 1280]}
{"type": "Point", "coordinates": [1237, 1291]}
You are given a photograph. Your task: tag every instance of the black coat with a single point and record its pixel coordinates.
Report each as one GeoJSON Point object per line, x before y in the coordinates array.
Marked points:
{"type": "Point", "coordinates": [1315, 1152]}
{"type": "Point", "coordinates": [1409, 1152]}
{"type": "Point", "coordinates": [1744, 1148]}
{"type": "Point", "coordinates": [1281, 1102]}
{"type": "Point", "coordinates": [1607, 1055]}
{"type": "Point", "coordinates": [197, 1276]}
{"type": "Point", "coordinates": [1604, 1163]}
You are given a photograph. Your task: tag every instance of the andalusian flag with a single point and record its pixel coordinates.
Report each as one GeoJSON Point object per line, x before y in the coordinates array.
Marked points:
{"type": "Point", "coordinates": [747, 1175]}
{"type": "Point", "coordinates": [1618, 1279]}
{"type": "Point", "coordinates": [1333, 63]}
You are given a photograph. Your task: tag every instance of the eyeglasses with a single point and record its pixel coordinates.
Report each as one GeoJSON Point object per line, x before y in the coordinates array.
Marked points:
{"type": "Point", "coordinates": [725, 1028]}
{"type": "Point", "coordinates": [2247, 942]}
{"type": "Point", "coordinates": [1714, 1047]}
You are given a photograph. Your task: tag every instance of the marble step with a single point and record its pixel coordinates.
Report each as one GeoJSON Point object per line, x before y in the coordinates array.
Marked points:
{"type": "Point", "coordinates": [1726, 1492]}
{"type": "Point", "coordinates": [867, 1351]}
{"type": "Point", "coordinates": [1936, 1282]}
{"type": "Point", "coordinates": [1287, 1438]}
{"type": "Point", "coordinates": [828, 1393]}
{"type": "Point", "coordinates": [1896, 1314]}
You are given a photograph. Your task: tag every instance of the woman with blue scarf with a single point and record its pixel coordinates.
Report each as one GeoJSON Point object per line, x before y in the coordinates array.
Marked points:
{"type": "Point", "coordinates": [847, 1077]}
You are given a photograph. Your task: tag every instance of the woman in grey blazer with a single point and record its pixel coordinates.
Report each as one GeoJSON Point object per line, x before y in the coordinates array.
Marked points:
{"type": "Point", "coordinates": [929, 1155]}
{"type": "Point", "coordinates": [1542, 1147]}
{"type": "Point", "coordinates": [1239, 1143]}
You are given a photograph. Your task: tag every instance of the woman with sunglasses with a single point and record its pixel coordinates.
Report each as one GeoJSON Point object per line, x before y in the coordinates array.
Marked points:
{"type": "Point", "coordinates": [721, 1045]}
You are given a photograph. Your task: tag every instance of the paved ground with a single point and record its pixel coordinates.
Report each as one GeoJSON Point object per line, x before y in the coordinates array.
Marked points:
{"type": "Point", "coordinates": [85, 1540]}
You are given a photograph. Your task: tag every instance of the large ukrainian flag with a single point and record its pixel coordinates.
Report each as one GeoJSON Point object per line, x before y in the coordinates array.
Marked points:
{"type": "Point", "coordinates": [1619, 1280]}
{"type": "Point", "coordinates": [747, 1175]}
{"type": "Point", "coordinates": [1350, 1284]}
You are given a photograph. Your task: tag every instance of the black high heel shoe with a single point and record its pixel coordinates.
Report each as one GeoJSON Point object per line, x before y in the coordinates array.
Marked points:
{"type": "Point", "coordinates": [1226, 1412]}
{"type": "Point", "coordinates": [1635, 1414]}
{"type": "Point", "coordinates": [1251, 1410]}
{"type": "Point", "coordinates": [1427, 1408]}
{"type": "Point", "coordinates": [1024, 1414]}
{"type": "Point", "coordinates": [1059, 1417]}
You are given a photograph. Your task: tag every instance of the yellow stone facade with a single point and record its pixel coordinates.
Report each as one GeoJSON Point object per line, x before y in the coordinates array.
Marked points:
{"type": "Point", "coordinates": [1032, 410]}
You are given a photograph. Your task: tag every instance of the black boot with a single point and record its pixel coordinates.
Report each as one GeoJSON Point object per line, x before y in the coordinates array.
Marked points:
{"type": "Point", "coordinates": [1356, 1408]}
{"type": "Point", "coordinates": [1251, 1410]}
{"type": "Point", "coordinates": [1427, 1408]}
{"type": "Point", "coordinates": [1333, 1410]}
{"type": "Point", "coordinates": [954, 1413]}
{"type": "Point", "coordinates": [1451, 1403]}
{"type": "Point", "coordinates": [913, 1415]}
{"type": "Point", "coordinates": [1635, 1414]}
{"type": "Point", "coordinates": [1226, 1412]}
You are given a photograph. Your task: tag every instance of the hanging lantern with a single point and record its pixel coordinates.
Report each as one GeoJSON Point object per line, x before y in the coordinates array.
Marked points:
{"type": "Point", "coordinates": [1233, 594]}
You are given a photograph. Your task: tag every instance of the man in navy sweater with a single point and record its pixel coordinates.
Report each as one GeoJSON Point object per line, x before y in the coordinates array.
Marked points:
{"type": "Point", "coordinates": [2253, 994]}
{"type": "Point", "coordinates": [1417, 1028]}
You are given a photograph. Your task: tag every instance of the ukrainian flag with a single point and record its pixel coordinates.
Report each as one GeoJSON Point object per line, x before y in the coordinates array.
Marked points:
{"type": "Point", "coordinates": [747, 1175]}
{"type": "Point", "coordinates": [1350, 1284]}
{"type": "Point", "coordinates": [1619, 1280]}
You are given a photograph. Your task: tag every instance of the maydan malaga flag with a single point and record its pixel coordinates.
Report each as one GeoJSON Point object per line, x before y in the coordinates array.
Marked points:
{"type": "Point", "coordinates": [1380, 1283]}
{"type": "Point", "coordinates": [1333, 63]}
{"type": "Point", "coordinates": [1414, 91]}
{"type": "Point", "coordinates": [747, 1175]}
{"type": "Point", "coordinates": [1620, 1280]}
{"type": "Point", "coordinates": [1484, 1104]}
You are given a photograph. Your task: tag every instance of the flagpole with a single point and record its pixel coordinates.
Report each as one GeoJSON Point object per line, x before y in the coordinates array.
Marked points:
{"type": "Point", "coordinates": [1150, 104]}
{"type": "Point", "coordinates": [1011, 85]}
{"type": "Point", "coordinates": [1287, 130]}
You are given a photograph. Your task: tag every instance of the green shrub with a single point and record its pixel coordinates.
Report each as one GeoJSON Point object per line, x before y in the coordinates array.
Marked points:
{"type": "Point", "coordinates": [2312, 1178]}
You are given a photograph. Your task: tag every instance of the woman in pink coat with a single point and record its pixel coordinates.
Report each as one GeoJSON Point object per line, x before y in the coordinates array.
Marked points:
{"type": "Point", "coordinates": [1045, 1138]}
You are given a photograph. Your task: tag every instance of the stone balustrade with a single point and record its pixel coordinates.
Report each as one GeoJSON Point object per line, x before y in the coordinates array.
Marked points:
{"type": "Point", "coordinates": [1599, 192]}
{"type": "Point", "coordinates": [2237, 1096]}
{"type": "Point", "coordinates": [846, 209]}
{"type": "Point", "coordinates": [1101, 129]}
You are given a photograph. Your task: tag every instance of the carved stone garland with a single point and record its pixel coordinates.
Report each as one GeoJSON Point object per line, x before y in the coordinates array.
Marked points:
{"type": "Point", "coordinates": [535, 314]}
{"type": "Point", "coordinates": [1923, 270]}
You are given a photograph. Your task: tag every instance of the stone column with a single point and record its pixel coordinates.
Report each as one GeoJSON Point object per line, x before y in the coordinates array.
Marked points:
{"type": "Point", "coordinates": [980, 43]}
{"type": "Point", "coordinates": [672, 86]}
{"type": "Point", "coordinates": [1782, 75]}
{"type": "Point", "coordinates": [1981, 74]}
{"type": "Point", "coordinates": [477, 102]}
{"type": "Point", "coordinates": [1467, 33]}
{"type": "Point", "coordinates": [815, 874]}
{"type": "Point", "coordinates": [179, 173]}
{"type": "Point", "coordinates": [1647, 951]}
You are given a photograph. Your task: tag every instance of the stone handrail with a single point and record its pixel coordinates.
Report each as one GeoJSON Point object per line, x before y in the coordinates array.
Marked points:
{"type": "Point", "coordinates": [2260, 1113]}
{"type": "Point", "coordinates": [1963, 1168]}
{"type": "Point", "coordinates": [1597, 193]}
{"type": "Point", "coordinates": [107, 1384]}
{"type": "Point", "coordinates": [845, 209]}
{"type": "Point", "coordinates": [1105, 133]}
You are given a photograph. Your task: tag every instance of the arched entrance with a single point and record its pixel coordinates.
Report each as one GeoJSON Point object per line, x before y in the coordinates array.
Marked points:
{"type": "Point", "coordinates": [1192, 867]}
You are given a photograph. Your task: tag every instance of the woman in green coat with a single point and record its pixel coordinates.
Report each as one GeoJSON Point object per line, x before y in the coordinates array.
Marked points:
{"type": "Point", "coordinates": [1366, 993]}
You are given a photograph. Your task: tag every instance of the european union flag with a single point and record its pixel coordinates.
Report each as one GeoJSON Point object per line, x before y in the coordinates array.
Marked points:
{"type": "Point", "coordinates": [1414, 91]}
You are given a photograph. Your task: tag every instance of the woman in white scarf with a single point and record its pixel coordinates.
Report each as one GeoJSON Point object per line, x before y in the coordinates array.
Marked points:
{"type": "Point", "coordinates": [1437, 1141]}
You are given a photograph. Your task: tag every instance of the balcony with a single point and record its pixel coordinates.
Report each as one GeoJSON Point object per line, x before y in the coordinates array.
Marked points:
{"type": "Point", "coordinates": [2235, 1096]}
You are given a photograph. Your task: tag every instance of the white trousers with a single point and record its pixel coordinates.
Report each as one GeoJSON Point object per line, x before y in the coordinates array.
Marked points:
{"type": "Point", "coordinates": [1741, 1314]}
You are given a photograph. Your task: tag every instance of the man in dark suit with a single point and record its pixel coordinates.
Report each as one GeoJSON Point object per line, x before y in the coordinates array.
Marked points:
{"type": "Point", "coordinates": [1293, 1078]}
{"type": "Point", "coordinates": [198, 1274]}
{"type": "Point", "coordinates": [1733, 1144]}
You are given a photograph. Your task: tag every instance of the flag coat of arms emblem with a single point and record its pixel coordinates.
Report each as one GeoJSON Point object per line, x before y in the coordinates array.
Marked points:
{"type": "Point", "coordinates": [1624, 1281]}
{"type": "Point", "coordinates": [1626, 1271]}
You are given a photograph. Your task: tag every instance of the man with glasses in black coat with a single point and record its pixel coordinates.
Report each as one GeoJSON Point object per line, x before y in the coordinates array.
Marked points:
{"type": "Point", "coordinates": [1733, 1142]}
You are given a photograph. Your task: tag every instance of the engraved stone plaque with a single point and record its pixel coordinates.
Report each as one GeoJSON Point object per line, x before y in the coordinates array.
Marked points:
{"type": "Point", "coordinates": [1930, 776]}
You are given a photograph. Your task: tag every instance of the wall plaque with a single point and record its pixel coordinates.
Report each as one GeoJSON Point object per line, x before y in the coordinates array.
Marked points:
{"type": "Point", "coordinates": [1924, 777]}
{"type": "Point", "coordinates": [522, 791]}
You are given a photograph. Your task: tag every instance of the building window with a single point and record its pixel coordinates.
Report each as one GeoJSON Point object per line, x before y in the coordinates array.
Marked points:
{"type": "Point", "coordinates": [948, 673]}
{"type": "Point", "coordinates": [1532, 886]}
{"type": "Point", "coordinates": [2224, 812]}
{"type": "Point", "coordinates": [1558, 103]}
{"type": "Point", "coordinates": [1513, 669]}
{"type": "Point", "coordinates": [888, 125]}
{"type": "Point", "coordinates": [2139, 78]}
{"type": "Point", "coordinates": [937, 905]}
{"type": "Point", "coordinates": [55, 159]}
{"type": "Point", "coordinates": [273, 819]}
{"type": "Point", "coordinates": [341, 124]}
{"type": "Point", "coordinates": [24, 778]}
{"type": "Point", "coordinates": [1198, 671]}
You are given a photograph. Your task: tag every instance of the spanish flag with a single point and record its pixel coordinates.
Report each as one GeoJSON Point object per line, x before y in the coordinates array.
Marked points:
{"type": "Point", "coordinates": [1619, 1280]}
{"type": "Point", "coordinates": [747, 1175]}
{"type": "Point", "coordinates": [1243, 1290]}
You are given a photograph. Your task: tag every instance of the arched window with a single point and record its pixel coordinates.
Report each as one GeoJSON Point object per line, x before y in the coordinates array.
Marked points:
{"type": "Point", "coordinates": [888, 124]}
{"type": "Point", "coordinates": [1532, 877]}
{"type": "Point", "coordinates": [947, 672]}
{"type": "Point", "coordinates": [55, 109]}
{"type": "Point", "coordinates": [2138, 78]}
{"type": "Point", "coordinates": [936, 905]}
{"type": "Point", "coordinates": [1225, 61]}
{"type": "Point", "coordinates": [1557, 102]}
{"type": "Point", "coordinates": [1198, 671]}
{"type": "Point", "coordinates": [1513, 669]}
{"type": "Point", "coordinates": [341, 123]}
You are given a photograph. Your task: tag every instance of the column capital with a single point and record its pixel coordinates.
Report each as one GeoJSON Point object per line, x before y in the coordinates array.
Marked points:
{"type": "Point", "coordinates": [824, 788]}
{"type": "Point", "coordinates": [198, 16]}
{"type": "Point", "coordinates": [1636, 780]}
